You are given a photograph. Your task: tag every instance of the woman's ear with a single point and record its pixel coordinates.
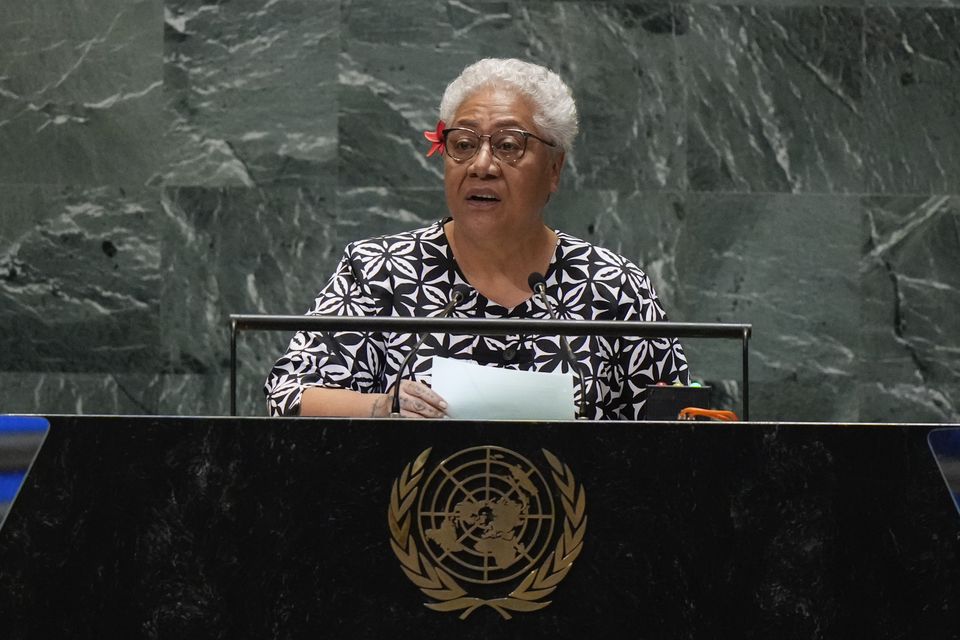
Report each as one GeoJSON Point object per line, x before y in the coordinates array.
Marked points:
{"type": "Point", "coordinates": [555, 169]}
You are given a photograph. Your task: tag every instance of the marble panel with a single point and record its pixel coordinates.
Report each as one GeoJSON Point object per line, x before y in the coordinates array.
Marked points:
{"type": "Point", "coordinates": [623, 69]}
{"type": "Point", "coordinates": [78, 393]}
{"type": "Point", "coordinates": [191, 394]}
{"type": "Point", "coordinates": [365, 212]}
{"type": "Point", "coordinates": [250, 92]}
{"type": "Point", "coordinates": [775, 99]}
{"type": "Point", "coordinates": [912, 100]}
{"type": "Point", "coordinates": [79, 279]}
{"type": "Point", "coordinates": [79, 88]}
{"type": "Point", "coordinates": [912, 3]}
{"type": "Point", "coordinates": [237, 250]}
{"type": "Point", "coordinates": [910, 289]}
{"type": "Point", "coordinates": [782, 3]}
{"type": "Point", "coordinates": [619, 60]}
{"type": "Point", "coordinates": [787, 265]}
{"type": "Point", "coordinates": [905, 402]}
{"type": "Point", "coordinates": [124, 393]}
{"type": "Point", "coordinates": [805, 397]}
{"type": "Point", "coordinates": [209, 394]}
{"type": "Point", "coordinates": [395, 61]}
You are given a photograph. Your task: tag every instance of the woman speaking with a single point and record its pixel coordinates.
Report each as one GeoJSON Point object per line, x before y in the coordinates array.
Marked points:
{"type": "Point", "coordinates": [505, 127]}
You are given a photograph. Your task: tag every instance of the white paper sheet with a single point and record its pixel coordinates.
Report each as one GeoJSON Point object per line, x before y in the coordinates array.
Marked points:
{"type": "Point", "coordinates": [473, 391]}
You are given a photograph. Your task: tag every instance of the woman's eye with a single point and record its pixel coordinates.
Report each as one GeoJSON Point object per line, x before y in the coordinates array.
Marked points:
{"type": "Point", "coordinates": [509, 144]}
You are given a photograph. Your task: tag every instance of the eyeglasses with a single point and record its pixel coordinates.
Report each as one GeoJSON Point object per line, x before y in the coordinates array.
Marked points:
{"type": "Point", "coordinates": [507, 145]}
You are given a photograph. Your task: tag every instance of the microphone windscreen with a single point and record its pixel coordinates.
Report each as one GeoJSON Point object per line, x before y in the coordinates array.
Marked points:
{"type": "Point", "coordinates": [461, 290]}
{"type": "Point", "coordinates": [535, 279]}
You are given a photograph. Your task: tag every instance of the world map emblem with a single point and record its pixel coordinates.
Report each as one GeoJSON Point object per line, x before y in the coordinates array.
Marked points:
{"type": "Point", "coordinates": [486, 527]}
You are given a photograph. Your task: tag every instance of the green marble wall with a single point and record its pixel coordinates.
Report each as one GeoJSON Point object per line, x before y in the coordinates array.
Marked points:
{"type": "Point", "coordinates": [795, 165]}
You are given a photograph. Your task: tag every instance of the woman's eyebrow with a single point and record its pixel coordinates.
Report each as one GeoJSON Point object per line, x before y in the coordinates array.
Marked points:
{"type": "Point", "coordinates": [498, 124]}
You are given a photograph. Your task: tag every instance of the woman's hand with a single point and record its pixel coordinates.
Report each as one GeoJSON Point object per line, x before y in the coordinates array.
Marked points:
{"type": "Point", "coordinates": [417, 400]}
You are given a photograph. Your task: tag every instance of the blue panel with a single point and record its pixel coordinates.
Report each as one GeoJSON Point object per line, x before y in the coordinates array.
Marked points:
{"type": "Point", "coordinates": [21, 424]}
{"type": "Point", "coordinates": [10, 484]}
{"type": "Point", "coordinates": [20, 439]}
{"type": "Point", "coordinates": [945, 445]}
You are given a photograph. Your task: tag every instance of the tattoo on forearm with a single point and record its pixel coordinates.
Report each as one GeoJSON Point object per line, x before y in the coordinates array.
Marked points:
{"type": "Point", "coordinates": [375, 409]}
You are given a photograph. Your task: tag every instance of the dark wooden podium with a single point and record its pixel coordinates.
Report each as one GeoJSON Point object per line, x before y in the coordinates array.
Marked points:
{"type": "Point", "coordinates": [134, 527]}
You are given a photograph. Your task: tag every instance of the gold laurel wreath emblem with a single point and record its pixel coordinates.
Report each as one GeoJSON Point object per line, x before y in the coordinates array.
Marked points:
{"type": "Point", "coordinates": [439, 585]}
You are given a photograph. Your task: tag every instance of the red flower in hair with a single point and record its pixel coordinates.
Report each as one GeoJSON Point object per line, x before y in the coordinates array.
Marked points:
{"type": "Point", "coordinates": [436, 137]}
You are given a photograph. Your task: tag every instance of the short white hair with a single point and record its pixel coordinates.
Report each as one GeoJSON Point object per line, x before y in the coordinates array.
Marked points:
{"type": "Point", "coordinates": [555, 111]}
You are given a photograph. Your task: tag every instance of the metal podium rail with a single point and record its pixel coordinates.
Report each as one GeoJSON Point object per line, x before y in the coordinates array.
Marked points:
{"type": "Point", "coordinates": [493, 326]}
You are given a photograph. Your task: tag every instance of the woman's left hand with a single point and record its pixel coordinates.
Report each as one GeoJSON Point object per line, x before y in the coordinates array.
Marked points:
{"type": "Point", "coordinates": [417, 400]}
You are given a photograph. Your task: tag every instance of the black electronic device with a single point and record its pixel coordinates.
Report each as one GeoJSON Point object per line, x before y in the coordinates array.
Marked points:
{"type": "Point", "coordinates": [666, 402]}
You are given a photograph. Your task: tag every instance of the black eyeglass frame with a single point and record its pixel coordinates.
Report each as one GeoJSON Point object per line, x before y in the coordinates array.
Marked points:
{"type": "Point", "coordinates": [489, 136]}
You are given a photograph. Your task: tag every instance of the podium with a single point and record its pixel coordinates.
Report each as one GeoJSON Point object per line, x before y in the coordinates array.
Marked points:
{"type": "Point", "coordinates": [304, 528]}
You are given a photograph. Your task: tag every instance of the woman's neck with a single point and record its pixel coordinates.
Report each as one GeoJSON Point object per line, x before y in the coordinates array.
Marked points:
{"type": "Point", "coordinates": [498, 266]}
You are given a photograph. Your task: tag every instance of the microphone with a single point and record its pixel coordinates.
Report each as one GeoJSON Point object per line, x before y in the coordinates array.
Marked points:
{"type": "Point", "coordinates": [458, 295]}
{"type": "Point", "coordinates": [538, 284]}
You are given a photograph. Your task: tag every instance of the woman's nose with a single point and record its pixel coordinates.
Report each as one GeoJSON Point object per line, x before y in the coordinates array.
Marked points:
{"type": "Point", "coordinates": [484, 163]}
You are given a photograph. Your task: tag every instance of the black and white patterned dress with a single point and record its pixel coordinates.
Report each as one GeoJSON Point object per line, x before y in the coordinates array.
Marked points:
{"type": "Point", "coordinates": [413, 274]}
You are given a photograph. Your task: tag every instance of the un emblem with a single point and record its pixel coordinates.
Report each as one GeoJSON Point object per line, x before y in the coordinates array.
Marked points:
{"type": "Point", "coordinates": [486, 519]}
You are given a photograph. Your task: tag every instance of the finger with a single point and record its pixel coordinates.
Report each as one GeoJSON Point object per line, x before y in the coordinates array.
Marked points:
{"type": "Point", "coordinates": [425, 393]}
{"type": "Point", "coordinates": [413, 407]}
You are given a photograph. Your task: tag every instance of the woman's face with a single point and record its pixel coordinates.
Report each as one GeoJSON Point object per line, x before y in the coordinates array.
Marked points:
{"type": "Point", "coordinates": [487, 191]}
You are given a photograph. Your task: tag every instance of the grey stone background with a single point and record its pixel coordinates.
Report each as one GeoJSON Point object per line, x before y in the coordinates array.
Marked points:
{"type": "Point", "coordinates": [795, 165]}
